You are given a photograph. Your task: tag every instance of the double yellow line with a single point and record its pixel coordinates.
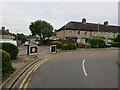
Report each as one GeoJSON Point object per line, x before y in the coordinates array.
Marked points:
{"type": "Point", "coordinates": [33, 70]}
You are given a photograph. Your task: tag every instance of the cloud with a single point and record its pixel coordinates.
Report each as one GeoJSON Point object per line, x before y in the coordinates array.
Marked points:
{"type": "Point", "coordinates": [17, 15]}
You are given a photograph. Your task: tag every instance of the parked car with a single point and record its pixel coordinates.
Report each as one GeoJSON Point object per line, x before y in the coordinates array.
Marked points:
{"type": "Point", "coordinates": [26, 43]}
{"type": "Point", "coordinates": [37, 43]}
{"type": "Point", "coordinates": [108, 45]}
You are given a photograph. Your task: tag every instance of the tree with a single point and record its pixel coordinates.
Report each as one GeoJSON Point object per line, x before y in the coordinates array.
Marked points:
{"type": "Point", "coordinates": [117, 39]}
{"type": "Point", "coordinates": [41, 28]}
{"type": "Point", "coordinates": [21, 37]}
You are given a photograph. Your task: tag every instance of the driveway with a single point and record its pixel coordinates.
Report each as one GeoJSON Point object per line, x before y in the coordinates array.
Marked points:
{"type": "Point", "coordinates": [77, 69]}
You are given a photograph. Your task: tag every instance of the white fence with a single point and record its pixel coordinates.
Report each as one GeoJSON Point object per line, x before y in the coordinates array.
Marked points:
{"type": "Point", "coordinates": [9, 40]}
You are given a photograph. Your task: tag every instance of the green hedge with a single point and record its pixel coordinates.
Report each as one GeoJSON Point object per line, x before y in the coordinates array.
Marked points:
{"type": "Point", "coordinates": [69, 47]}
{"type": "Point", "coordinates": [11, 49]}
{"type": "Point", "coordinates": [114, 44]}
{"type": "Point", "coordinates": [58, 44]}
{"type": "Point", "coordinates": [6, 64]}
{"type": "Point", "coordinates": [97, 43]}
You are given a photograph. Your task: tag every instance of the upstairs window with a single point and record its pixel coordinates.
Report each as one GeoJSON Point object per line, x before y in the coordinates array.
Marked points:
{"type": "Point", "coordinates": [86, 32]}
{"type": "Point", "coordinates": [69, 31]}
{"type": "Point", "coordinates": [110, 33]}
{"type": "Point", "coordinates": [101, 33]}
{"type": "Point", "coordinates": [95, 33]}
{"type": "Point", "coordinates": [78, 32]}
{"type": "Point", "coordinates": [105, 33]}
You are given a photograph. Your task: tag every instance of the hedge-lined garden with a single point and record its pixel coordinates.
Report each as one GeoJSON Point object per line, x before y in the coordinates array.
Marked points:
{"type": "Point", "coordinates": [10, 48]}
{"type": "Point", "coordinates": [115, 44]}
{"type": "Point", "coordinates": [97, 43]}
{"type": "Point", "coordinates": [8, 51]}
{"type": "Point", "coordinates": [63, 46]}
{"type": "Point", "coordinates": [6, 64]}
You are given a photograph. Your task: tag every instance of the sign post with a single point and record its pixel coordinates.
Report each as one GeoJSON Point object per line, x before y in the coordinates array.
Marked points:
{"type": "Point", "coordinates": [53, 49]}
{"type": "Point", "coordinates": [32, 50]}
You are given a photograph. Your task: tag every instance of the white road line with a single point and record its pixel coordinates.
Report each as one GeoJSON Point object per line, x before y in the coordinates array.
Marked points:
{"type": "Point", "coordinates": [83, 65]}
{"type": "Point", "coordinates": [92, 54]}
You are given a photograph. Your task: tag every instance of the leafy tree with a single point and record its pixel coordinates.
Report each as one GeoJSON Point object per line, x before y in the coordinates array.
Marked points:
{"type": "Point", "coordinates": [41, 28]}
{"type": "Point", "coordinates": [117, 39]}
{"type": "Point", "coordinates": [21, 37]}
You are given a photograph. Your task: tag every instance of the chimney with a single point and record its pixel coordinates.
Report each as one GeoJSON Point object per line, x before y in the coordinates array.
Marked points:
{"type": "Point", "coordinates": [84, 20]}
{"type": "Point", "coordinates": [106, 23]}
{"type": "Point", "coordinates": [7, 30]}
{"type": "Point", "coordinates": [3, 28]}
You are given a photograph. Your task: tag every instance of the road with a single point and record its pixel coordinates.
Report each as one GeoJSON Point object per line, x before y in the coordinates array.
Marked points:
{"type": "Point", "coordinates": [90, 68]}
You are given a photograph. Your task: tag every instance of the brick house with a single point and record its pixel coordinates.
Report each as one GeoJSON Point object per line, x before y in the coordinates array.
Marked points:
{"type": "Point", "coordinates": [5, 34]}
{"type": "Point", "coordinates": [84, 31]}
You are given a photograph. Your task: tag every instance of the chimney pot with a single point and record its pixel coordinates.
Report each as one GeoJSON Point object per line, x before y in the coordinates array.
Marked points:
{"type": "Point", "coordinates": [7, 30]}
{"type": "Point", "coordinates": [106, 23]}
{"type": "Point", "coordinates": [3, 28]}
{"type": "Point", "coordinates": [84, 20]}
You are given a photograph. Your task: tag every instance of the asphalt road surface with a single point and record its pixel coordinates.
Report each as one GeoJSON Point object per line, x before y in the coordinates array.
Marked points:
{"type": "Point", "coordinates": [78, 69]}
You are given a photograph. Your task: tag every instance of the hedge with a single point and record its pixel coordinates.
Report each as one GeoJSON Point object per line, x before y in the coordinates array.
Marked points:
{"type": "Point", "coordinates": [11, 49]}
{"type": "Point", "coordinates": [58, 44]}
{"type": "Point", "coordinates": [69, 47]}
{"type": "Point", "coordinates": [114, 44]}
{"type": "Point", "coordinates": [6, 64]}
{"type": "Point", "coordinates": [97, 43]}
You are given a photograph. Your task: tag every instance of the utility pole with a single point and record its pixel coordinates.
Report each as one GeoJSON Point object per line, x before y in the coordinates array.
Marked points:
{"type": "Point", "coordinates": [98, 31]}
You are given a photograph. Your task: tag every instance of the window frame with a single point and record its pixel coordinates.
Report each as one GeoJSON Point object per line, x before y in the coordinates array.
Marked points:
{"type": "Point", "coordinates": [78, 31]}
{"type": "Point", "coordinates": [70, 31]}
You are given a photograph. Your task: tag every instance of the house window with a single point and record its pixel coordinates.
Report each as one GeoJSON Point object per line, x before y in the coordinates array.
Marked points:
{"type": "Point", "coordinates": [95, 33]}
{"type": "Point", "coordinates": [86, 32]}
{"type": "Point", "coordinates": [110, 33]}
{"type": "Point", "coordinates": [101, 33]}
{"type": "Point", "coordinates": [105, 33]}
{"type": "Point", "coordinates": [69, 31]}
{"type": "Point", "coordinates": [78, 32]}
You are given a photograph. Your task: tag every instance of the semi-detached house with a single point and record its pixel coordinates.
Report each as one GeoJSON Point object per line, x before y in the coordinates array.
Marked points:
{"type": "Point", "coordinates": [84, 31]}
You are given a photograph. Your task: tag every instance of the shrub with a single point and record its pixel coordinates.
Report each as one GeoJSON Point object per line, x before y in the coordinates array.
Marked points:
{"type": "Point", "coordinates": [70, 38]}
{"type": "Point", "coordinates": [97, 43]}
{"type": "Point", "coordinates": [6, 64]}
{"type": "Point", "coordinates": [11, 49]}
{"type": "Point", "coordinates": [57, 43]}
{"type": "Point", "coordinates": [81, 45]}
{"type": "Point", "coordinates": [69, 47]}
{"type": "Point", "coordinates": [117, 39]}
{"type": "Point", "coordinates": [114, 44]}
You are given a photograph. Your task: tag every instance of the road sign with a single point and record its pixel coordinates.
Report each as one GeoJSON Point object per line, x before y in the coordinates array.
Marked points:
{"type": "Point", "coordinates": [78, 40]}
{"type": "Point", "coordinates": [32, 50]}
{"type": "Point", "coordinates": [53, 49]}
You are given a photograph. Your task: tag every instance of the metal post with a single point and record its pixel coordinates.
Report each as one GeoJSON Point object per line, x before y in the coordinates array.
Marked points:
{"type": "Point", "coordinates": [27, 49]}
{"type": "Point", "coordinates": [98, 31]}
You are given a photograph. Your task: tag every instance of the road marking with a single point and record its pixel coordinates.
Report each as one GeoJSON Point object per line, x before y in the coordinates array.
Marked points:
{"type": "Point", "coordinates": [34, 69]}
{"type": "Point", "coordinates": [92, 54]}
{"type": "Point", "coordinates": [83, 65]}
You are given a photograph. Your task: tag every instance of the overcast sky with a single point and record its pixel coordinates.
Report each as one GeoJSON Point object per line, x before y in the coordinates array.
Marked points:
{"type": "Point", "coordinates": [17, 16]}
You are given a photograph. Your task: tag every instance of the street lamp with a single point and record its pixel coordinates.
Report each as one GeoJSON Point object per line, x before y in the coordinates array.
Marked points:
{"type": "Point", "coordinates": [98, 28]}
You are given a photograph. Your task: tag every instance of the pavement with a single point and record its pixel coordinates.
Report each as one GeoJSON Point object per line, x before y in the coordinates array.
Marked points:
{"type": "Point", "coordinates": [88, 68]}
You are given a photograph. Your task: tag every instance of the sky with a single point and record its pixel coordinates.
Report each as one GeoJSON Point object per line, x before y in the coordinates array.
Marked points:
{"type": "Point", "coordinates": [17, 16]}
